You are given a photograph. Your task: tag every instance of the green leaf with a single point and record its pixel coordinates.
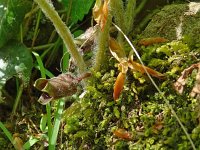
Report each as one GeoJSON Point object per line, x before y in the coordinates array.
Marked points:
{"type": "Point", "coordinates": [12, 13]}
{"type": "Point", "coordinates": [43, 123]}
{"type": "Point", "coordinates": [15, 60]}
{"type": "Point", "coordinates": [30, 142]}
{"type": "Point", "coordinates": [116, 112]}
{"type": "Point", "coordinates": [78, 8]}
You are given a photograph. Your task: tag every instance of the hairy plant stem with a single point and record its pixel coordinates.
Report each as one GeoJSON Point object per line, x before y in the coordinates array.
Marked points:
{"type": "Point", "coordinates": [103, 38]}
{"type": "Point", "coordinates": [129, 16]}
{"type": "Point", "coordinates": [63, 31]}
{"type": "Point", "coordinates": [118, 14]}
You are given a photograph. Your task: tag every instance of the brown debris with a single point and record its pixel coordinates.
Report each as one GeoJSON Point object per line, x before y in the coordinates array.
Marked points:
{"type": "Point", "coordinates": [182, 80]}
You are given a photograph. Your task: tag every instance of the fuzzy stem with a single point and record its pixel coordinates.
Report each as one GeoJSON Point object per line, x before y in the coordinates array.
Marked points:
{"type": "Point", "coordinates": [118, 14]}
{"type": "Point", "coordinates": [102, 45]}
{"type": "Point", "coordinates": [63, 31]}
{"type": "Point", "coordinates": [129, 16]}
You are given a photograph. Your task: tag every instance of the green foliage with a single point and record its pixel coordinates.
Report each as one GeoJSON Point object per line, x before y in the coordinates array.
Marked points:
{"type": "Point", "coordinates": [77, 8]}
{"type": "Point", "coordinates": [15, 60]}
{"type": "Point", "coordinates": [12, 13]}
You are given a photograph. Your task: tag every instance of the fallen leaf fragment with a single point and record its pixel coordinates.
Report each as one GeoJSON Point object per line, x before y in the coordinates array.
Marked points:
{"type": "Point", "coordinates": [123, 134]}
{"type": "Point", "coordinates": [196, 89]}
{"type": "Point", "coordinates": [17, 141]}
{"type": "Point", "coordinates": [158, 126]}
{"type": "Point", "coordinates": [182, 80]}
{"type": "Point", "coordinates": [151, 41]}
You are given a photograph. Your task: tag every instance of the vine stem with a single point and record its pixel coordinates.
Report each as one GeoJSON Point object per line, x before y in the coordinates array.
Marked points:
{"type": "Point", "coordinates": [64, 32]}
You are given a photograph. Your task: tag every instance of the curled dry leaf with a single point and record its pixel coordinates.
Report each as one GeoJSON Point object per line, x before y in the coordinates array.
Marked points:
{"type": "Point", "coordinates": [123, 134]}
{"type": "Point", "coordinates": [151, 41]}
{"type": "Point", "coordinates": [157, 126]}
{"type": "Point", "coordinates": [196, 89]}
{"type": "Point", "coordinates": [119, 85]}
{"type": "Point", "coordinates": [100, 12]}
{"type": "Point", "coordinates": [17, 141]}
{"type": "Point", "coordinates": [58, 87]}
{"type": "Point", "coordinates": [182, 80]}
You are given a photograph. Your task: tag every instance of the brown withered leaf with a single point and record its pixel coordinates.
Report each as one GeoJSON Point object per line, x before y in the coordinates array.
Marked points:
{"type": "Point", "coordinates": [100, 12]}
{"type": "Point", "coordinates": [196, 89]}
{"type": "Point", "coordinates": [151, 41]}
{"type": "Point", "coordinates": [182, 80]}
{"type": "Point", "coordinates": [157, 126]}
{"type": "Point", "coordinates": [57, 87]}
{"type": "Point", "coordinates": [86, 40]}
{"type": "Point", "coordinates": [119, 85]}
{"type": "Point", "coordinates": [17, 141]}
{"type": "Point", "coordinates": [123, 134]}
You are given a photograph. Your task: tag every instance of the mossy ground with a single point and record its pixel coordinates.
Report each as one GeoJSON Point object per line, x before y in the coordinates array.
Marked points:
{"type": "Point", "coordinates": [140, 109]}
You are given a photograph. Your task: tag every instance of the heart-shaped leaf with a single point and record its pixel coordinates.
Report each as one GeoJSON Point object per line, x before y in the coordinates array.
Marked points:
{"type": "Point", "coordinates": [15, 60]}
{"type": "Point", "coordinates": [12, 13]}
{"type": "Point", "coordinates": [77, 8]}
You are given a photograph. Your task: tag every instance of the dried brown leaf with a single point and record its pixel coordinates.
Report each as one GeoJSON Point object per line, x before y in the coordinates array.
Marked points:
{"type": "Point", "coordinates": [182, 80]}
{"type": "Point", "coordinates": [100, 12]}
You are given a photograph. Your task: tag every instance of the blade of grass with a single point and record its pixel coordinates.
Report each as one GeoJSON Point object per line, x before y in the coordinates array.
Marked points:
{"type": "Point", "coordinates": [157, 88]}
{"type": "Point", "coordinates": [17, 100]}
{"type": "Point", "coordinates": [30, 143]}
{"type": "Point", "coordinates": [57, 121]}
{"type": "Point", "coordinates": [48, 107]}
{"type": "Point", "coordinates": [6, 132]}
{"type": "Point", "coordinates": [36, 31]}
{"type": "Point", "coordinates": [60, 105]}
{"type": "Point", "coordinates": [65, 59]}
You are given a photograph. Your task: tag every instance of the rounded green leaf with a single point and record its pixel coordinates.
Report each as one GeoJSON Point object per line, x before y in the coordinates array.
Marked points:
{"type": "Point", "coordinates": [12, 13]}
{"type": "Point", "coordinates": [78, 8]}
{"type": "Point", "coordinates": [15, 60]}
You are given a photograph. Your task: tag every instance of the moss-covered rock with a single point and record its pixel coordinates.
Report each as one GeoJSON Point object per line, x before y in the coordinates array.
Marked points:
{"type": "Point", "coordinates": [175, 22]}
